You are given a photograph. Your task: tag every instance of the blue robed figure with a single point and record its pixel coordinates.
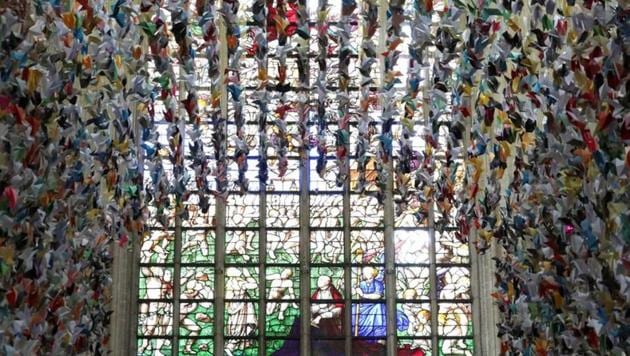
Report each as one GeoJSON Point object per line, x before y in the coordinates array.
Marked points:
{"type": "Point", "coordinates": [370, 320]}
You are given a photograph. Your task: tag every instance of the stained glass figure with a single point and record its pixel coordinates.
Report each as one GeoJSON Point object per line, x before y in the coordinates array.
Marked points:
{"type": "Point", "coordinates": [369, 318]}
{"type": "Point", "coordinates": [327, 312]}
{"type": "Point", "coordinates": [413, 282]}
{"type": "Point", "coordinates": [418, 317]}
{"type": "Point", "coordinates": [241, 289]}
{"type": "Point", "coordinates": [453, 283]}
{"type": "Point", "coordinates": [327, 246]}
{"type": "Point", "coordinates": [283, 246]}
{"type": "Point", "coordinates": [282, 294]}
{"type": "Point", "coordinates": [155, 347]}
{"type": "Point", "coordinates": [281, 288]}
{"type": "Point", "coordinates": [326, 210]}
{"type": "Point", "coordinates": [241, 246]}
{"type": "Point", "coordinates": [197, 283]}
{"type": "Point", "coordinates": [198, 246]}
{"type": "Point", "coordinates": [336, 274]}
{"type": "Point", "coordinates": [158, 247]}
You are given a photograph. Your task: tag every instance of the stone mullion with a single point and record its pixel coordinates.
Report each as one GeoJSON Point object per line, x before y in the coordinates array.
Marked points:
{"type": "Point", "coordinates": [388, 201]}
{"type": "Point", "coordinates": [344, 102]}
{"type": "Point", "coordinates": [220, 216]}
{"type": "Point", "coordinates": [433, 275]}
{"type": "Point", "coordinates": [304, 171]}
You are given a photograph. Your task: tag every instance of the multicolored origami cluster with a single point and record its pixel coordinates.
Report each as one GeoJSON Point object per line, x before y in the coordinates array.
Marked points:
{"type": "Point", "coordinates": [526, 134]}
{"type": "Point", "coordinates": [543, 87]}
{"type": "Point", "coordinates": [71, 74]}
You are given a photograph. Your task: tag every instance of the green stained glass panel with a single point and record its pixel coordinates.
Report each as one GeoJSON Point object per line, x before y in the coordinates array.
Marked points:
{"type": "Point", "coordinates": [197, 283]}
{"type": "Point", "coordinates": [158, 247]}
{"type": "Point", "coordinates": [241, 246]}
{"type": "Point", "coordinates": [455, 319]}
{"type": "Point", "coordinates": [198, 347]}
{"type": "Point", "coordinates": [155, 319]}
{"type": "Point", "coordinates": [198, 246]}
{"type": "Point", "coordinates": [154, 347]}
{"type": "Point", "coordinates": [156, 282]}
{"type": "Point", "coordinates": [196, 319]}
{"type": "Point", "coordinates": [283, 246]}
{"type": "Point", "coordinates": [282, 304]}
{"type": "Point", "coordinates": [413, 283]}
{"type": "Point", "coordinates": [274, 326]}
{"type": "Point", "coordinates": [241, 347]}
{"type": "Point", "coordinates": [456, 347]}
{"type": "Point", "coordinates": [282, 282]}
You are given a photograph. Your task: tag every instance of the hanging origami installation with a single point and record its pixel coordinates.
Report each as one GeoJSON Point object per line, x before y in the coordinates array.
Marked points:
{"type": "Point", "coordinates": [509, 119]}
{"type": "Point", "coordinates": [72, 75]}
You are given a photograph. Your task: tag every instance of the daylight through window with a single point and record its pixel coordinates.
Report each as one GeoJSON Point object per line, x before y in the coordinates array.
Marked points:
{"type": "Point", "coordinates": [304, 231]}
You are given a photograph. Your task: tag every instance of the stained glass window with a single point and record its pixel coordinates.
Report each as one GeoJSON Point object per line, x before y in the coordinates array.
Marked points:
{"type": "Point", "coordinates": [290, 210]}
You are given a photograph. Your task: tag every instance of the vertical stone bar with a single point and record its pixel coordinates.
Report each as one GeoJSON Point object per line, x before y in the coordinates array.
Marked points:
{"type": "Point", "coordinates": [262, 257]}
{"type": "Point", "coordinates": [485, 313]}
{"type": "Point", "coordinates": [476, 276]}
{"type": "Point", "coordinates": [485, 271]}
{"type": "Point", "coordinates": [304, 217]}
{"type": "Point", "coordinates": [177, 279]}
{"type": "Point", "coordinates": [125, 279]}
{"type": "Point", "coordinates": [262, 205]}
{"type": "Point", "coordinates": [219, 259]}
{"type": "Point", "coordinates": [125, 259]}
{"type": "Point", "coordinates": [390, 272]}
{"type": "Point", "coordinates": [344, 103]}
{"type": "Point", "coordinates": [262, 58]}
{"type": "Point", "coordinates": [124, 297]}
{"type": "Point", "coordinates": [131, 347]}
{"type": "Point", "coordinates": [219, 281]}
{"type": "Point", "coordinates": [177, 258]}
{"type": "Point", "coordinates": [134, 284]}
{"type": "Point", "coordinates": [347, 270]}
{"type": "Point", "coordinates": [388, 209]}
{"type": "Point", "coordinates": [305, 258]}
{"type": "Point", "coordinates": [433, 295]}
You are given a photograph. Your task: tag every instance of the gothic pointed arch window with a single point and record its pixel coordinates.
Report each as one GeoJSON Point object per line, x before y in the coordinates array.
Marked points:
{"type": "Point", "coordinates": [300, 179]}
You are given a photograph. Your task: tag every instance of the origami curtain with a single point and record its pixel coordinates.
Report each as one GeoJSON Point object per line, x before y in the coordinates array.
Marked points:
{"type": "Point", "coordinates": [533, 95]}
